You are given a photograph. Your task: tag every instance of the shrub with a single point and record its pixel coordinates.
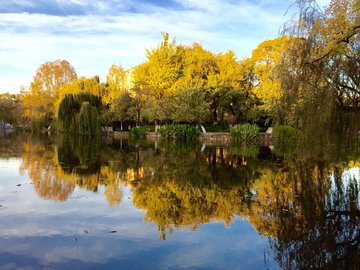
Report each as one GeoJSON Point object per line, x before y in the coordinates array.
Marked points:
{"type": "Point", "coordinates": [285, 136]}
{"type": "Point", "coordinates": [245, 132]}
{"type": "Point", "coordinates": [179, 131]}
{"type": "Point", "coordinates": [137, 132]}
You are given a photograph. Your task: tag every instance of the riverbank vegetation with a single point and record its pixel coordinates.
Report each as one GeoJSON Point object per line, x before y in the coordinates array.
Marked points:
{"type": "Point", "coordinates": [307, 78]}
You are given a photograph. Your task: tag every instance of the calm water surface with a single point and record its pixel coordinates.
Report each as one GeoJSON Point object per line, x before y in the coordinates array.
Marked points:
{"type": "Point", "coordinates": [71, 202]}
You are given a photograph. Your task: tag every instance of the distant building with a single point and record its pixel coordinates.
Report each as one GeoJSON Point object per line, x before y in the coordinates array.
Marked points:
{"type": "Point", "coordinates": [128, 82]}
{"type": "Point", "coordinates": [129, 79]}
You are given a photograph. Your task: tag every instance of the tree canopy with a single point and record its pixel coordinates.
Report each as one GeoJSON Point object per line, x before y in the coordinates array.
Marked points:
{"type": "Point", "coordinates": [48, 79]}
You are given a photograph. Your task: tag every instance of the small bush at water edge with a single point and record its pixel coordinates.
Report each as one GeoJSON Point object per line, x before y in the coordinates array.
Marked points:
{"type": "Point", "coordinates": [245, 132]}
{"type": "Point", "coordinates": [137, 132]}
{"type": "Point", "coordinates": [179, 131]}
{"type": "Point", "coordinates": [285, 136]}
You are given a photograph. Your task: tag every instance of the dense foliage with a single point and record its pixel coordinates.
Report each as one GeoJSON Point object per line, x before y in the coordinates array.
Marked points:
{"type": "Point", "coordinates": [80, 113]}
{"type": "Point", "coordinates": [137, 132]}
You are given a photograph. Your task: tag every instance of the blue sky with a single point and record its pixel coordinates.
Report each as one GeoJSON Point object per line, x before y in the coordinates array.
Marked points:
{"type": "Point", "coordinates": [92, 35]}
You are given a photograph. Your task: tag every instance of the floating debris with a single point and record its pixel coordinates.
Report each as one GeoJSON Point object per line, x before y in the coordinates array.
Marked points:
{"type": "Point", "coordinates": [86, 231]}
{"type": "Point", "coordinates": [18, 185]}
{"type": "Point", "coordinates": [113, 231]}
{"type": "Point", "coordinates": [75, 239]}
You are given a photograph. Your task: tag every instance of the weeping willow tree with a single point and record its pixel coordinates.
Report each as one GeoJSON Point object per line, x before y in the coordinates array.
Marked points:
{"type": "Point", "coordinates": [80, 113]}
{"type": "Point", "coordinates": [320, 74]}
{"type": "Point", "coordinates": [88, 119]}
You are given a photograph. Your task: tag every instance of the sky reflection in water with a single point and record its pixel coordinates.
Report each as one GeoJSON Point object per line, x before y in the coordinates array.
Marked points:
{"type": "Point", "coordinates": [219, 208]}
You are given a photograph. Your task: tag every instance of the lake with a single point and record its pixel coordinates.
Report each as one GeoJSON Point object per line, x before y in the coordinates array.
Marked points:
{"type": "Point", "coordinates": [80, 202]}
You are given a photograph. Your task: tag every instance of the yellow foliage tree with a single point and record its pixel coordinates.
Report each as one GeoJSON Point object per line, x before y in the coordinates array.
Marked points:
{"type": "Point", "coordinates": [115, 79]}
{"type": "Point", "coordinates": [199, 64]}
{"type": "Point", "coordinates": [49, 78]}
{"type": "Point", "coordinates": [162, 68]}
{"type": "Point", "coordinates": [266, 59]}
{"type": "Point", "coordinates": [172, 68]}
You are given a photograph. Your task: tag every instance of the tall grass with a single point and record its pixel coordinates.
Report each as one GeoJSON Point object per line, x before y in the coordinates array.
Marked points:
{"type": "Point", "coordinates": [245, 132]}
{"type": "Point", "coordinates": [179, 131]}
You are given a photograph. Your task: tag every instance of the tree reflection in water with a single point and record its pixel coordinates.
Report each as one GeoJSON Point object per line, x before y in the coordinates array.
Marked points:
{"type": "Point", "coordinates": [304, 204]}
{"type": "Point", "coordinates": [40, 161]}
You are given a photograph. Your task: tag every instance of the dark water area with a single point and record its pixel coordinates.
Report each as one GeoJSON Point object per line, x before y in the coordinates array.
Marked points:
{"type": "Point", "coordinates": [76, 202]}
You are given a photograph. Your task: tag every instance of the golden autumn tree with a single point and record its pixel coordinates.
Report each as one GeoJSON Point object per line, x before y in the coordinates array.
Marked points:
{"type": "Point", "coordinates": [162, 68]}
{"type": "Point", "coordinates": [226, 80]}
{"type": "Point", "coordinates": [171, 71]}
{"type": "Point", "coordinates": [116, 85]}
{"type": "Point", "coordinates": [199, 65]}
{"type": "Point", "coordinates": [266, 59]}
{"type": "Point", "coordinates": [155, 79]}
{"type": "Point", "coordinates": [48, 79]}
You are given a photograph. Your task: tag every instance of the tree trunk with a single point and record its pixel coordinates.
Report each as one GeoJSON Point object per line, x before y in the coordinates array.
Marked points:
{"type": "Point", "coordinates": [215, 115]}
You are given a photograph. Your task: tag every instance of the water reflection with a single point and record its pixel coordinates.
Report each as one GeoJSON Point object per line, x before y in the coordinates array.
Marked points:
{"type": "Point", "coordinates": [319, 228]}
{"type": "Point", "coordinates": [306, 205]}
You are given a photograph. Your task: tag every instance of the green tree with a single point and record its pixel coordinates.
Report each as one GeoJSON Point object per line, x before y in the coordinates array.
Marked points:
{"type": "Point", "coordinates": [190, 106]}
{"type": "Point", "coordinates": [80, 113]}
{"type": "Point", "coordinates": [11, 109]}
